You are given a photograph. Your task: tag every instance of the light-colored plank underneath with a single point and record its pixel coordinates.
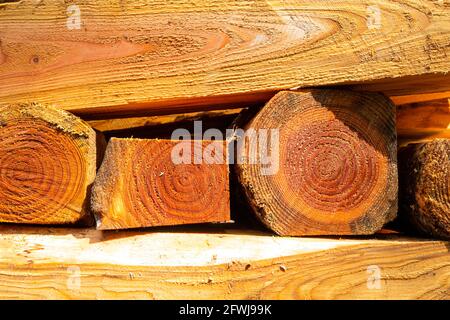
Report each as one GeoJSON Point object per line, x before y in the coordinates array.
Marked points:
{"type": "Point", "coordinates": [217, 264]}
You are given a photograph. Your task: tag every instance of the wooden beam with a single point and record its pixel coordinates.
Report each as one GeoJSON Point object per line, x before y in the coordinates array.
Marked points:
{"type": "Point", "coordinates": [142, 184]}
{"type": "Point", "coordinates": [423, 121]}
{"type": "Point", "coordinates": [430, 115]}
{"type": "Point", "coordinates": [413, 85]}
{"type": "Point", "coordinates": [47, 164]}
{"type": "Point", "coordinates": [329, 166]}
{"type": "Point", "coordinates": [425, 189]}
{"type": "Point", "coordinates": [217, 264]}
{"type": "Point", "coordinates": [118, 57]}
{"type": "Point", "coordinates": [409, 99]}
{"type": "Point", "coordinates": [133, 123]}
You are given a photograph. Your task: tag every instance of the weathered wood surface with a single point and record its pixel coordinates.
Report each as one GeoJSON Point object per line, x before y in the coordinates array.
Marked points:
{"type": "Point", "coordinates": [425, 187]}
{"type": "Point", "coordinates": [331, 170]}
{"type": "Point", "coordinates": [217, 264]}
{"type": "Point", "coordinates": [146, 182]}
{"type": "Point", "coordinates": [114, 56]}
{"type": "Point", "coordinates": [47, 164]}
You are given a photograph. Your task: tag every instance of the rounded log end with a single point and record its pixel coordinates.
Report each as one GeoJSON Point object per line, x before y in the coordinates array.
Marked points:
{"type": "Point", "coordinates": [337, 168]}
{"type": "Point", "coordinates": [47, 162]}
{"type": "Point", "coordinates": [425, 187]}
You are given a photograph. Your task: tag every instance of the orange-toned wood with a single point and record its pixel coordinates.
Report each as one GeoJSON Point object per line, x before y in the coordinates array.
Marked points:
{"type": "Point", "coordinates": [47, 164]}
{"type": "Point", "coordinates": [130, 123]}
{"type": "Point", "coordinates": [423, 121]}
{"type": "Point", "coordinates": [409, 99]}
{"type": "Point", "coordinates": [425, 187]}
{"type": "Point", "coordinates": [141, 184]}
{"type": "Point", "coordinates": [337, 166]}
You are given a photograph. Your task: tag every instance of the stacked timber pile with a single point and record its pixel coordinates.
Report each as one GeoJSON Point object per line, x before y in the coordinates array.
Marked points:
{"type": "Point", "coordinates": [315, 162]}
{"type": "Point", "coordinates": [317, 121]}
{"type": "Point", "coordinates": [139, 185]}
{"type": "Point", "coordinates": [319, 162]}
{"type": "Point", "coordinates": [337, 164]}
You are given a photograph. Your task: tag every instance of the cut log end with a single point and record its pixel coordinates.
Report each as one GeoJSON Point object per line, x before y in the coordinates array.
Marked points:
{"type": "Point", "coordinates": [47, 163]}
{"type": "Point", "coordinates": [425, 187]}
{"type": "Point", "coordinates": [139, 185]}
{"type": "Point", "coordinates": [337, 163]}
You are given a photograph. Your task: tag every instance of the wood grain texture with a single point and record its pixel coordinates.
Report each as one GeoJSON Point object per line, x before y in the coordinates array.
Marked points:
{"type": "Point", "coordinates": [337, 163]}
{"type": "Point", "coordinates": [140, 185]}
{"type": "Point", "coordinates": [192, 54]}
{"type": "Point", "coordinates": [423, 121]}
{"type": "Point", "coordinates": [425, 186]}
{"type": "Point", "coordinates": [220, 264]}
{"type": "Point", "coordinates": [47, 164]}
{"type": "Point", "coordinates": [130, 123]}
{"type": "Point", "coordinates": [405, 85]}
{"type": "Point", "coordinates": [425, 97]}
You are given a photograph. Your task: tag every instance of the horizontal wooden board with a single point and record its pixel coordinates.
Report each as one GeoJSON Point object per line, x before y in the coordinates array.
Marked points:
{"type": "Point", "coordinates": [165, 122]}
{"type": "Point", "coordinates": [217, 264]}
{"type": "Point", "coordinates": [423, 121]}
{"type": "Point", "coordinates": [156, 56]}
{"type": "Point", "coordinates": [415, 98]}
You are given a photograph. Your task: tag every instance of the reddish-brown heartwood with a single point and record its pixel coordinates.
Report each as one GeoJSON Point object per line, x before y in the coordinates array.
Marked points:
{"type": "Point", "coordinates": [47, 164]}
{"type": "Point", "coordinates": [337, 163]}
{"type": "Point", "coordinates": [139, 185]}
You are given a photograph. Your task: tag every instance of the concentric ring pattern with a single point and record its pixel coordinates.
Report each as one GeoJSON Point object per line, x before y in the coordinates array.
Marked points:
{"type": "Point", "coordinates": [330, 167]}
{"type": "Point", "coordinates": [41, 171]}
{"type": "Point", "coordinates": [175, 191]}
{"type": "Point", "coordinates": [337, 163]}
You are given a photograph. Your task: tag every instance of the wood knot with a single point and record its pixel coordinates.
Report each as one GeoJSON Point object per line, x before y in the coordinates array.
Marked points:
{"type": "Point", "coordinates": [35, 59]}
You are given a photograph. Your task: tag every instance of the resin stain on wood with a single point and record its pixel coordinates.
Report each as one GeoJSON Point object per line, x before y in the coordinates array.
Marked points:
{"type": "Point", "coordinates": [217, 264]}
{"type": "Point", "coordinates": [425, 187]}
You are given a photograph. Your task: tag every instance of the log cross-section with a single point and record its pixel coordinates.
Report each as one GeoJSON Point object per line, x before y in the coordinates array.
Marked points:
{"type": "Point", "coordinates": [140, 185]}
{"type": "Point", "coordinates": [337, 163]}
{"type": "Point", "coordinates": [47, 164]}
